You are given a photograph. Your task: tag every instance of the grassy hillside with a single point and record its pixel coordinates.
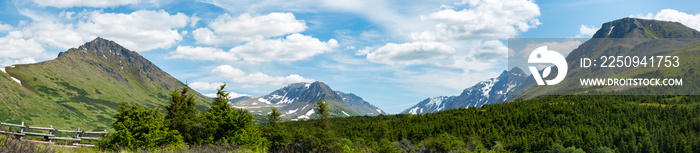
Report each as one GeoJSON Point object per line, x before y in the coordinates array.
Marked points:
{"type": "Point", "coordinates": [83, 87]}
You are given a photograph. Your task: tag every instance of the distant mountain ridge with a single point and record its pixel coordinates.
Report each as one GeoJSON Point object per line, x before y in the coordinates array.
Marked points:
{"type": "Point", "coordinates": [297, 101]}
{"type": "Point", "coordinates": [83, 86]}
{"type": "Point", "coordinates": [358, 104]}
{"type": "Point", "coordinates": [497, 90]}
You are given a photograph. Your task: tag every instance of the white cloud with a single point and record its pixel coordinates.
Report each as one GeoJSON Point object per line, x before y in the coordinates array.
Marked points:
{"type": "Point", "coordinates": [7, 61]}
{"type": "Point", "coordinates": [411, 53]}
{"type": "Point", "coordinates": [56, 34]}
{"type": "Point", "coordinates": [15, 46]}
{"type": "Point", "coordinates": [239, 76]}
{"type": "Point", "coordinates": [231, 95]}
{"type": "Point", "coordinates": [84, 3]}
{"type": "Point", "coordinates": [201, 53]}
{"type": "Point", "coordinates": [5, 27]}
{"type": "Point", "coordinates": [228, 71]}
{"type": "Point", "coordinates": [292, 48]}
{"type": "Point", "coordinates": [205, 85]}
{"type": "Point", "coordinates": [241, 6]}
{"type": "Point", "coordinates": [482, 19]}
{"type": "Point", "coordinates": [492, 49]}
{"type": "Point", "coordinates": [226, 29]}
{"type": "Point", "coordinates": [364, 51]}
{"type": "Point", "coordinates": [690, 20]}
{"type": "Point", "coordinates": [139, 31]}
{"type": "Point", "coordinates": [586, 31]}
{"type": "Point", "coordinates": [193, 20]}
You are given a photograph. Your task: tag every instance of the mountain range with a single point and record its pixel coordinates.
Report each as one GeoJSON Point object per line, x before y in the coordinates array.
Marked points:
{"type": "Point", "coordinates": [83, 86]}
{"type": "Point", "coordinates": [645, 36]}
{"type": "Point", "coordinates": [497, 90]}
{"type": "Point", "coordinates": [297, 101]}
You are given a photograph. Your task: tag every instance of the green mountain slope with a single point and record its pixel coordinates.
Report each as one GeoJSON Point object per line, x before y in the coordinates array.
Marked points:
{"type": "Point", "coordinates": [630, 36]}
{"type": "Point", "coordinates": [84, 85]}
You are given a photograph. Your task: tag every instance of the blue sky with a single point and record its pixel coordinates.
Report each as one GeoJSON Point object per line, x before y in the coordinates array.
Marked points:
{"type": "Point", "coordinates": [392, 53]}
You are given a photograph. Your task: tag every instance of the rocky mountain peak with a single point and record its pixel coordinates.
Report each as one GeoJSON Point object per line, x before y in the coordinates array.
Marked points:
{"type": "Point", "coordinates": [643, 28]}
{"type": "Point", "coordinates": [319, 90]}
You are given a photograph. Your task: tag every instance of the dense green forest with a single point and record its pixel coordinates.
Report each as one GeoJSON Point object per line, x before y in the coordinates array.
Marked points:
{"type": "Point", "coordinates": [610, 123]}
{"type": "Point", "coordinates": [622, 123]}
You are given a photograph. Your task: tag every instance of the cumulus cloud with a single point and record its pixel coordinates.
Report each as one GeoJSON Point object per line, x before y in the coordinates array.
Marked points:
{"type": "Point", "coordinates": [140, 31]}
{"type": "Point", "coordinates": [201, 53]}
{"type": "Point", "coordinates": [491, 49]}
{"type": "Point", "coordinates": [13, 45]}
{"type": "Point", "coordinates": [5, 27]}
{"type": "Point", "coordinates": [481, 19]}
{"type": "Point", "coordinates": [586, 31]}
{"type": "Point", "coordinates": [227, 29]}
{"type": "Point", "coordinates": [83, 3]}
{"type": "Point", "coordinates": [56, 34]}
{"type": "Point", "coordinates": [292, 48]}
{"type": "Point", "coordinates": [7, 61]}
{"type": "Point", "coordinates": [205, 85]}
{"type": "Point", "coordinates": [690, 20]}
{"type": "Point", "coordinates": [411, 53]}
{"type": "Point", "coordinates": [239, 76]}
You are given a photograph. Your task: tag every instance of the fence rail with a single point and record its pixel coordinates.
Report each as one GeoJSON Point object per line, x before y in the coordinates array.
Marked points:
{"type": "Point", "coordinates": [50, 137]}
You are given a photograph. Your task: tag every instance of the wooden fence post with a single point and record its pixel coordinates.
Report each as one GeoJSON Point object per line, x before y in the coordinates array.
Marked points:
{"type": "Point", "coordinates": [21, 131]}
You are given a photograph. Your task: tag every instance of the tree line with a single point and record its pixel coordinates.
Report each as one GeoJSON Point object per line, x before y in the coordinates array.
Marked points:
{"type": "Point", "coordinates": [579, 123]}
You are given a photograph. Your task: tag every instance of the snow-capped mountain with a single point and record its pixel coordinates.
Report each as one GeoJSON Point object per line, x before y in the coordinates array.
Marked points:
{"type": "Point", "coordinates": [493, 91]}
{"type": "Point", "coordinates": [359, 105]}
{"type": "Point", "coordinates": [298, 100]}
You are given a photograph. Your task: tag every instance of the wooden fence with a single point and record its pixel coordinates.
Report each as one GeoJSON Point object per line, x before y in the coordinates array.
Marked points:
{"type": "Point", "coordinates": [50, 137]}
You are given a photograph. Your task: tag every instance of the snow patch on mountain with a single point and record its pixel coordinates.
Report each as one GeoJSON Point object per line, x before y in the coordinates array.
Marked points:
{"type": "Point", "coordinates": [307, 115]}
{"type": "Point", "coordinates": [263, 100]}
{"type": "Point", "coordinates": [488, 85]}
{"type": "Point", "coordinates": [415, 110]}
{"type": "Point", "coordinates": [292, 111]}
{"type": "Point", "coordinates": [16, 80]}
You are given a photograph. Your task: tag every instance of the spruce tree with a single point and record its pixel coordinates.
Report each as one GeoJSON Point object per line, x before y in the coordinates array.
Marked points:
{"type": "Point", "coordinates": [182, 115]}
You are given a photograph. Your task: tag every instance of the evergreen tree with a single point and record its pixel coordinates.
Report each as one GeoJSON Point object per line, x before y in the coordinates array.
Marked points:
{"type": "Point", "coordinates": [228, 125]}
{"type": "Point", "coordinates": [274, 117]}
{"type": "Point", "coordinates": [324, 136]}
{"type": "Point", "coordinates": [323, 113]}
{"type": "Point", "coordinates": [137, 127]}
{"type": "Point", "coordinates": [182, 116]}
{"type": "Point", "coordinates": [274, 132]}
